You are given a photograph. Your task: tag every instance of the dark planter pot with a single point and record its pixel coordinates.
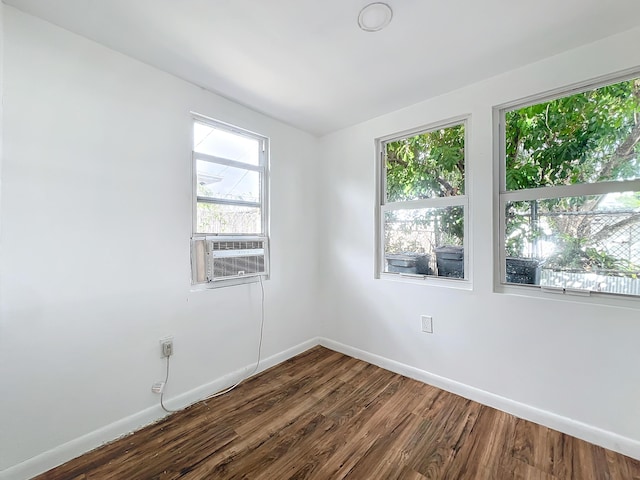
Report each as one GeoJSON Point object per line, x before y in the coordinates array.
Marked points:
{"type": "Point", "coordinates": [412, 263]}
{"type": "Point", "coordinates": [450, 261]}
{"type": "Point", "coordinates": [523, 270]}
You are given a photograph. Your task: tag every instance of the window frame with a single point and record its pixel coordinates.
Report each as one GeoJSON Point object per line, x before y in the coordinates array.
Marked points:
{"type": "Point", "coordinates": [263, 204]}
{"type": "Point", "coordinates": [502, 196]}
{"type": "Point", "coordinates": [382, 206]}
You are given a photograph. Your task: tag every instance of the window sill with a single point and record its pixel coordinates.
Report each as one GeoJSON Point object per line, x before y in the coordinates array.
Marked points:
{"type": "Point", "coordinates": [578, 296]}
{"type": "Point", "coordinates": [200, 287]}
{"type": "Point", "coordinates": [432, 281]}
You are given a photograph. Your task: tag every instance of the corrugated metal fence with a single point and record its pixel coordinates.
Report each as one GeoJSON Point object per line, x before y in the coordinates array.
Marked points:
{"type": "Point", "coordinates": [590, 281]}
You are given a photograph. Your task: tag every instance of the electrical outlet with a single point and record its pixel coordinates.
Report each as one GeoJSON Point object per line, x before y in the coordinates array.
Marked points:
{"type": "Point", "coordinates": [166, 347]}
{"type": "Point", "coordinates": [157, 387]}
{"type": "Point", "coordinates": [427, 323]}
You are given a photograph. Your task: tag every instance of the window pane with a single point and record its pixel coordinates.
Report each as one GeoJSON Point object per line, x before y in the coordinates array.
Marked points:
{"type": "Point", "coordinates": [221, 181]}
{"type": "Point", "coordinates": [228, 219]}
{"type": "Point", "coordinates": [588, 242]}
{"type": "Point", "coordinates": [427, 165]}
{"type": "Point", "coordinates": [588, 137]}
{"type": "Point", "coordinates": [426, 241]}
{"type": "Point", "coordinates": [221, 143]}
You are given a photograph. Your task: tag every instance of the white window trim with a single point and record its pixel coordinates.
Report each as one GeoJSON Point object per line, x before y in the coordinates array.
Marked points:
{"type": "Point", "coordinates": [263, 169]}
{"type": "Point", "coordinates": [502, 196]}
{"type": "Point", "coordinates": [438, 202]}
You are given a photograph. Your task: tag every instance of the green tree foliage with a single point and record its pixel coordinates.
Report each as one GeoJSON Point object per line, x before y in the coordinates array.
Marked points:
{"type": "Point", "coordinates": [584, 138]}
{"type": "Point", "coordinates": [587, 137]}
{"type": "Point", "coordinates": [426, 166]}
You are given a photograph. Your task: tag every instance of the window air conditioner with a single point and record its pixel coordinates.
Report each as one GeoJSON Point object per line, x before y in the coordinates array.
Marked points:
{"type": "Point", "coordinates": [224, 258]}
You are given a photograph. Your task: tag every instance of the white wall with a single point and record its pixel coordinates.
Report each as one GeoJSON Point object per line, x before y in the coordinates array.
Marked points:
{"type": "Point", "coordinates": [94, 266]}
{"type": "Point", "coordinates": [1, 102]}
{"type": "Point", "coordinates": [568, 364]}
{"type": "Point", "coordinates": [96, 220]}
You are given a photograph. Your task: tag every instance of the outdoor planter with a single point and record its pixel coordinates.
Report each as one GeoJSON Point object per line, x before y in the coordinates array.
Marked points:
{"type": "Point", "coordinates": [412, 263]}
{"type": "Point", "coordinates": [450, 261]}
{"type": "Point", "coordinates": [523, 270]}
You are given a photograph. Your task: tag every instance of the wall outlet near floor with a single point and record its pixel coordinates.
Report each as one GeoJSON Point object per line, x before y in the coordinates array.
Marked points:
{"type": "Point", "coordinates": [427, 323]}
{"type": "Point", "coordinates": [157, 387]}
{"type": "Point", "coordinates": [166, 347]}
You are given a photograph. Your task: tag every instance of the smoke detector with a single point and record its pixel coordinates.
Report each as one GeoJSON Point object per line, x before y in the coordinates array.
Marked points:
{"type": "Point", "coordinates": [374, 17]}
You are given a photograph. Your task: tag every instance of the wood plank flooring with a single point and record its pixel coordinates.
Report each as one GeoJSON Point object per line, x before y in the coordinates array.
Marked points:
{"type": "Point", "coordinates": [323, 415]}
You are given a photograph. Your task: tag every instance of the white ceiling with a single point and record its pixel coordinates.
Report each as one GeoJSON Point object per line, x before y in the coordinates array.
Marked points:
{"type": "Point", "coordinates": [306, 62]}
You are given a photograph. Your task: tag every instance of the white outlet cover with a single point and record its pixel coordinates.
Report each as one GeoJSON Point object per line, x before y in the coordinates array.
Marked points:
{"type": "Point", "coordinates": [427, 323]}
{"type": "Point", "coordinates": [162, 341]}
{"type": "Point", "coordinates": [157, 387]}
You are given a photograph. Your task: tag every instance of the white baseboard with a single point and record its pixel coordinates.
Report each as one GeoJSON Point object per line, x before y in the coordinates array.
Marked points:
{"type": "Point", "coordinates": [604, 438]}
{"type": "Point", "coordinates": [76, 447]}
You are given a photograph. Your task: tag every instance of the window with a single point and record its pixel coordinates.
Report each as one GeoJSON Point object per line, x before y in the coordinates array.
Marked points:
{"type": "Point", "coordinates": [570, 191]}
{"type": "Point", "coordinates": [423, 203]}
{"type": "Point", "coordinates": [230, 214]}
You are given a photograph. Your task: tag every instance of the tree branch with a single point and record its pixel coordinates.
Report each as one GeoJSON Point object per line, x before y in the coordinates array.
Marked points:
{"type": "Point", "coordinates": [450, 190]}
{"type": "Point", "coordinates": [392, 157]}
{"type": "Point", "coordinates": [625, 150]}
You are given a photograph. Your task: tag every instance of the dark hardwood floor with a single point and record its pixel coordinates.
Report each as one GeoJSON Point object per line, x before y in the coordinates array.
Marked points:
{"type": "Point", "coordinates": [323, 415]}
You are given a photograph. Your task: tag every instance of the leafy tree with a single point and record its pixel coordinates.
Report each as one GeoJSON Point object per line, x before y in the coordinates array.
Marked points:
{"type": "Point", "coordinates": [426, 166]}
{"type": "Point", "coordinates": [583, 138]}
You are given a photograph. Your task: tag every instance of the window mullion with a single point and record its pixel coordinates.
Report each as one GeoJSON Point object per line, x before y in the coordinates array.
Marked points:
{"type": "Point", "coordinates": [438, 202]}
{"type": "Point", "coordinates": [228, 162]}
{"type": "Point", "coordinates": [577, 190]}
{"type": "Point", "coordinates": [224, 201]}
